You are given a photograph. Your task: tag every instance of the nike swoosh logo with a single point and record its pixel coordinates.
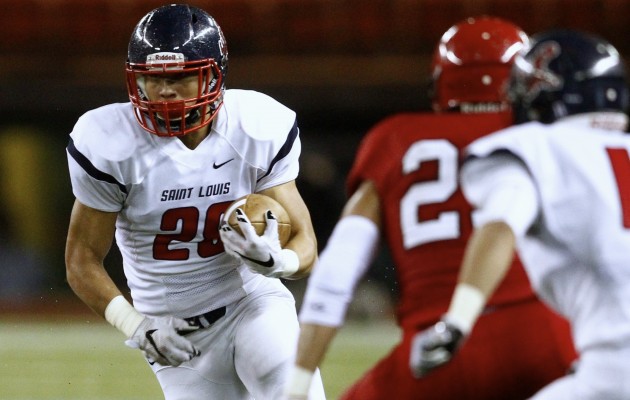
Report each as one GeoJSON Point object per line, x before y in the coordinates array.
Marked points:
{"type": "Point", "coordinates": [269, 263]}
{"type": "Point", "coordinates": [216, 166]}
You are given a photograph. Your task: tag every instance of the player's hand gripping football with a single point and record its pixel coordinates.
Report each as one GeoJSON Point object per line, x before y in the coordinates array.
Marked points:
{"type": "Point", "coordinates": [434, 347]}
{"type": "Point", "coordinates": [161, 341]}
{"type": "Point", "coordinates": [262, 254]}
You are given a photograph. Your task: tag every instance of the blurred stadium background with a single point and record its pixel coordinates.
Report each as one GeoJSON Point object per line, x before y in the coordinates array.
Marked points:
{"type": "Point", "coordinates": [341, 64]}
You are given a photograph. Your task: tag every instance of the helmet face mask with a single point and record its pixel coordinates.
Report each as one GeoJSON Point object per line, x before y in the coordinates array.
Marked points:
{"type": "Point", "coordinates": [471, 65]}
{"type": "Point", "coordinates": [170, 45]}
{"type": "Point", "coordinates": [181, 116]}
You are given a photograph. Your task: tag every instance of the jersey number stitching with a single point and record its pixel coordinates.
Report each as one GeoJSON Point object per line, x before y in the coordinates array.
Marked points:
{"type": "Point", "coordinates": [185, 221]}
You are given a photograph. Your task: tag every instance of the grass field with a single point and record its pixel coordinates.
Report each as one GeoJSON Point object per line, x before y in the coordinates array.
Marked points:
{"type": "Point", "coordinates": [78, 359]}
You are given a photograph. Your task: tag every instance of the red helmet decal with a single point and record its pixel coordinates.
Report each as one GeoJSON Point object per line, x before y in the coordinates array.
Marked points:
{"type": "Point", "coordinates": [541, 77]}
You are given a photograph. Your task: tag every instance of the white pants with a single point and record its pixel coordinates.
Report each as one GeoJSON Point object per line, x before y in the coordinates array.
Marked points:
{"type": "Point", "coordinates": [602, 373]}
{"type": "Point", "coordinates": [246, 354]}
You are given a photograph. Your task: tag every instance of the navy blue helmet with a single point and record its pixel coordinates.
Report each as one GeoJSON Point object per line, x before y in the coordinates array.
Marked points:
{"type": "Point", "coordinates": [176, 40]}
{"type": "Point", "coordinates": [567, 72]}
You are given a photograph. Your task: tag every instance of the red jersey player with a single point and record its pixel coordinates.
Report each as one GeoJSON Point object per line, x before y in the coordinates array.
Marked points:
{"type": "Point", "coordinates": [404, 186]}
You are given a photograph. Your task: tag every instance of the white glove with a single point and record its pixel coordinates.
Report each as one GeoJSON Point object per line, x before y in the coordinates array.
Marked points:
{"type": "Point", "coordinates": [161, 341]}
{"type": "Point", "coordinates": [262, 254]}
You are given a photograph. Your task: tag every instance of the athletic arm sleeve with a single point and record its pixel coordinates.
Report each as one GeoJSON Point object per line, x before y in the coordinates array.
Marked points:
{"type": "Point", "coordinates": [501, 188]}
{"type": "Point", "coordinates": [347, 256]}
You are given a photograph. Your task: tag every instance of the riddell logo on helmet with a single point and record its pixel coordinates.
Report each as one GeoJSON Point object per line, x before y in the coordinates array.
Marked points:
{"type": "Point", "coordinates": [165, 57]}
{"type": "Point", "coordinates": [478, 108]}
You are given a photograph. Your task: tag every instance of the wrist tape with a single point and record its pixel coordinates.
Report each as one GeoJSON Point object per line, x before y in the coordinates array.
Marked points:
{"type": "Point", "coordinates": [290, 262]}
{"type": "Point", "coordinates": [299, 382]}
{"type": "Point", "coordinates": [466, 305]}
{"type": "Point", "coordinates": [123, 316]}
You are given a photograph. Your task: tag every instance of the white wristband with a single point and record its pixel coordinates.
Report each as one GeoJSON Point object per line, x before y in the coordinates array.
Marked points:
{"type": "Point", "coordinates": [299, 382]}
{"type": "Point", "coordinates": [466, 305]}
{"type": "Point", "coordinates": [290, 261]}
{"type": "Point", "coordinates": [123, 316]}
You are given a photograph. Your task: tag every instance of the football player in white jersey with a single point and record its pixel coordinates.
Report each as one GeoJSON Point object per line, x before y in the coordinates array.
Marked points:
{"type": "Point", "coordinates": [158, 173]}
{"type": "Point", "coordinates": [557, 189]}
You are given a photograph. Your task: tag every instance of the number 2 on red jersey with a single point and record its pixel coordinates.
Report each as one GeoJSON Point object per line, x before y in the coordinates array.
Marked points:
{"type": "Point", "coordinates": [447, 224]}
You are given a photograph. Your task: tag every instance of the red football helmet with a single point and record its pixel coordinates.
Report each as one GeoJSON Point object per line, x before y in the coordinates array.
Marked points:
{"type": "Point", "coordinates": [472, 63]}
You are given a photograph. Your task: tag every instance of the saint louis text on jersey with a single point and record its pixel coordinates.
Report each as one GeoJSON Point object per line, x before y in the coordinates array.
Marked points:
{"type": "Point", "coordinates": [201, 191]}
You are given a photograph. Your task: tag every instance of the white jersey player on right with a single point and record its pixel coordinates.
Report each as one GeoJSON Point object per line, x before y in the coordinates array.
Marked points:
{"type": "Point", "coordinates": [558, 190]}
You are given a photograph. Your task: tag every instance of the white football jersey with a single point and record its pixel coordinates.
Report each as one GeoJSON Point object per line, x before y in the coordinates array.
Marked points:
{"type": "Point", "coordinates": [577, 252]}
{"type": "Point", "coordinates": [170, 199]}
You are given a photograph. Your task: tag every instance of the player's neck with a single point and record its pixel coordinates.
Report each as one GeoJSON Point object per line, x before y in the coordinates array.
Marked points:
{"type": "Point", "coordinates": [193, 139]}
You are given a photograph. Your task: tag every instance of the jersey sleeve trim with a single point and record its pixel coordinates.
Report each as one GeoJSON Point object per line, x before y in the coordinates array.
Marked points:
{"type": "Point", "coordinates": [91, 169]}
{"type": "Point", "coordinates": [284, 150]}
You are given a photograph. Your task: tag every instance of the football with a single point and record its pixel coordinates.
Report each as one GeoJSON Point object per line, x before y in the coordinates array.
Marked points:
{"type": "Point", "coordinates": [255, 205]}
